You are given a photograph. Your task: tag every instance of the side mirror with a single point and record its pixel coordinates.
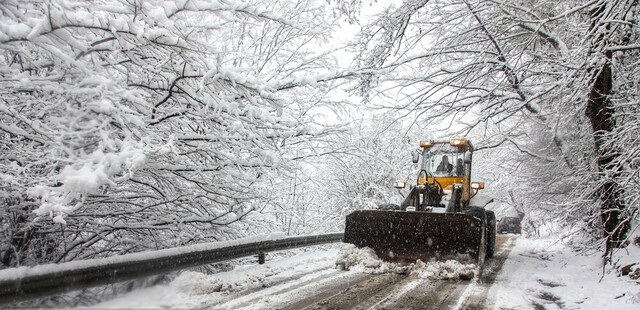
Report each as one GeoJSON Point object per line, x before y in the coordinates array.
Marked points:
{"type": "Point", "coordinates": [400, 185]}
{"type": "Point", "coordinates": [415, 157]}
{"type": "Point", "coordinates": [467, 157]}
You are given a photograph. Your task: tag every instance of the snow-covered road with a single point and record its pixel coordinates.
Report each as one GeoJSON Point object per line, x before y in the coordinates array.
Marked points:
{"type": "Point", "coordinates": [524, 274]}
{"type": "Point", "coordinates": [312, 281]}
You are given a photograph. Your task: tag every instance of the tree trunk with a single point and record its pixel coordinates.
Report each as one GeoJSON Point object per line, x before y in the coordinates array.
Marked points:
{"type": "Point", "coordinates": [600, 110]}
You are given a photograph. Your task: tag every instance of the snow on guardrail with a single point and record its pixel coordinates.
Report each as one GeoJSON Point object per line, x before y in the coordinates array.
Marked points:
{"type": "Point", "coordinates": [38, 281]}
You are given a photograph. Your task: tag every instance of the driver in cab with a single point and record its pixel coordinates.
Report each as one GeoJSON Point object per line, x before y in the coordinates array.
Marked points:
{"type": "Point", "coordinates": [444, 167]}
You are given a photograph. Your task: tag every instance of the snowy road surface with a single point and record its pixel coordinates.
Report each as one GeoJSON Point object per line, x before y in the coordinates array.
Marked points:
{"type": "Point", "coordinates": [419, 288]}
{"type": "Point", "coordinates": [524, 274]}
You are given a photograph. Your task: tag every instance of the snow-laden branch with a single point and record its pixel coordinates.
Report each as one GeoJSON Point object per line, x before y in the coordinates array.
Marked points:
{"type": "Point", "coordinates": [112, 109]}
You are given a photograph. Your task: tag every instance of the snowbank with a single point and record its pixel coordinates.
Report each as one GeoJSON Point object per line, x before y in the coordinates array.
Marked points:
{"type": "Point", "coordinates": [365, 260]}
{"type": "Point", "coordinates": [362, 259]}
{"type": "Point", "coordinates": [451, 269]}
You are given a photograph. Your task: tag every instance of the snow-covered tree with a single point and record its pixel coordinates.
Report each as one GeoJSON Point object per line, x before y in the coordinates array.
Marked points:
{"type": "Point", "coordinates": [131, 125]}
{"type": "Point", "coordinates": [382, 149]}
{"type": "Point", "coordinates": [536, 77]}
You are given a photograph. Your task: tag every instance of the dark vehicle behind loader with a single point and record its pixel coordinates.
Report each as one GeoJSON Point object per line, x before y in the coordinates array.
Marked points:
{"type": "Point", "coordinates": [509, 225]}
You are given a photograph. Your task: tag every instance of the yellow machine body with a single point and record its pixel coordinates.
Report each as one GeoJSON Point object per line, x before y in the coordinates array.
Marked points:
{"type": "Point", "coordinates": [435, 220]}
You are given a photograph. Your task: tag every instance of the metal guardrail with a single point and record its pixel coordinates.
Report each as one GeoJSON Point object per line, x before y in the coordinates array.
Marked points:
{"type": "Point", "coordinates": [23, 283]}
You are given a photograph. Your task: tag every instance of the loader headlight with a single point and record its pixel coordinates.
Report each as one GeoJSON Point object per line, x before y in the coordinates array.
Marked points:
{"type": "Point", "coordinates": [477, 185]}
{"type": "Point", "coordinates": [400, 185]}
{"type": "Point", "coordinates": [458, 142]}
{"type": "Point", "coordinates": [426, 143]}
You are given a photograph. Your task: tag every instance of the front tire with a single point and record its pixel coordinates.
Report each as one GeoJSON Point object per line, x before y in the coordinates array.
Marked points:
{"type": "Point", "coordinates": [489, 219]}
{"type": "Point", "coordinates": [491, 233]}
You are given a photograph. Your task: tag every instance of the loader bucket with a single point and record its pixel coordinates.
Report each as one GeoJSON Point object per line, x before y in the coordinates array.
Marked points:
{"type": "Point", "coordinates": [400, 236]}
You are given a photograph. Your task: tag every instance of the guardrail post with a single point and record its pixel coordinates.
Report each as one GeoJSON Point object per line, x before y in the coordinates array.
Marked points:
{"type": "Point", "coordinates": [261, 258]}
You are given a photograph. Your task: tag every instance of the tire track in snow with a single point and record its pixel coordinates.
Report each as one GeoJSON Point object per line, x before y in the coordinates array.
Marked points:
{"type": "Point", "coordinates": [451, 294]}
{"type": "Point", "coordinates": [295, 294]}
{"type": "Point", "coordinates": [362, 293]}
{"type": "Point", "coordinates": [476, 295]}
{"type": "Point", "coordinates": [394, 296]}
{"type": "Point", "coordinates": [239, 299]}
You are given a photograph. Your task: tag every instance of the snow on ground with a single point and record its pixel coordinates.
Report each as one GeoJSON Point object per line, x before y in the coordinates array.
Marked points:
{"type": "Point", "coordinates": [544, 274]}
{"type": "Point", "coordinates": [196, 290]}
{"type": "Point", "coordinates": [447, 270]}
{"type": "Point", "coordinates": [539, 274]}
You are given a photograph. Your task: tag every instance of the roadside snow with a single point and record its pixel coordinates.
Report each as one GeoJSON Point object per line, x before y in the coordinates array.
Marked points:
{"type": "Point", "coordinates": [197, 290]}
{"type": "Point", "coordinates": [543, 274]}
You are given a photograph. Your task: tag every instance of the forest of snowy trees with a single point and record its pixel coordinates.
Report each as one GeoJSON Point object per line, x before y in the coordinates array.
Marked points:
{"type": "Point", "coordinates": [130, 125]}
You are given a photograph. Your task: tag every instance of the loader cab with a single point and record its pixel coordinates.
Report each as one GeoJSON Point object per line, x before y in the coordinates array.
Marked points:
{"type": "Point", "coordinates": [445, 161]}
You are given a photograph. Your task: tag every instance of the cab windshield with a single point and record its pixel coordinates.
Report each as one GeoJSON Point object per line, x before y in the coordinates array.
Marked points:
{"type": "Point", "coordinates": [444, 160]}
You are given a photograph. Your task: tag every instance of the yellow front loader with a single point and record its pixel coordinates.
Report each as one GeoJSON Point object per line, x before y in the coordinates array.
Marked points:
{"type": "Point", "coordinates": [441, 218]}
